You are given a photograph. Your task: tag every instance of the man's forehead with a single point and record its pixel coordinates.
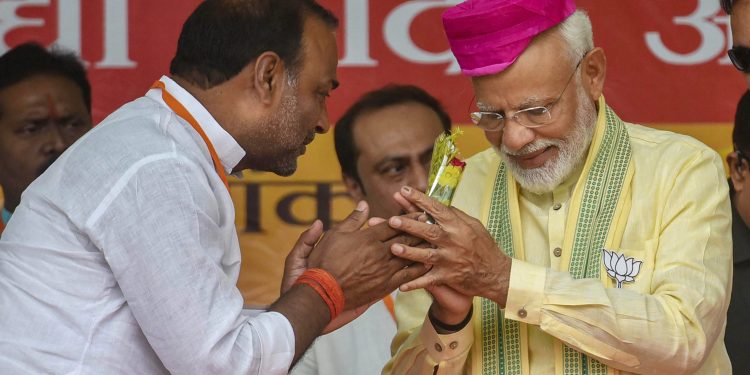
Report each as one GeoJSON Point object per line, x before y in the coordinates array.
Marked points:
{"type": "Point", "coordinates": [405, 155]}
{"type": "Point", "coordinates": [407, 125]}
{"type": "Point", "coordinates": [44, 82]}
{"type": "Point", "coordinates": [321, 52]}
{"type": "Point", "coordinates": [531, 80]}
{"type": "Point", "coordinates": [500, 99]}
{"type": "Point", "coordinates": [417, 152]}
{"type": "Point", "coordinates": [741, 25]}
{"type": "Point", "coordinates": [531, 101]}
{"type": "Point", "coordinates": [742, 7]}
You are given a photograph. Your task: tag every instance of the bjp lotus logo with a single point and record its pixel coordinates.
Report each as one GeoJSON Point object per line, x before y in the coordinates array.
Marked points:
{"type": "Point", "coordinates": [620, 268]}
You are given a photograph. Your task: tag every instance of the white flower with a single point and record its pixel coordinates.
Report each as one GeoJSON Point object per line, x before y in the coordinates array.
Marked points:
{"type": "Point", "coordinates": [619, 268]}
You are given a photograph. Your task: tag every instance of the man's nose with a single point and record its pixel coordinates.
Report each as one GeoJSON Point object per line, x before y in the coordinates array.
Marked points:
{"type": "Point", "coordinates": [516, 136]}
{"type": "Point", "coordinates": [323, 126]}
{"type": "Point", "coordinates": [54, 142]}
{"type": "Point", "coordinates": [419, 176]}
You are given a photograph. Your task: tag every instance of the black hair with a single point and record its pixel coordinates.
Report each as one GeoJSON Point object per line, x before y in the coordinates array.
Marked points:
{"type": "Point", "coordinates": [221, 37]}
{"type": "Point", "coordinates": [741, 131]}
{"type": "Point", "coordinates": [727, 5]}
{"type": "Point", "coordinates": [343, 132]}
{"type": "Point", "coordinates": [31, 59]}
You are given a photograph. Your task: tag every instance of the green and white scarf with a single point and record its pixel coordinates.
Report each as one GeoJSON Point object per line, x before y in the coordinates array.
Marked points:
{"type": "Point", "coordinates": [504, 346]}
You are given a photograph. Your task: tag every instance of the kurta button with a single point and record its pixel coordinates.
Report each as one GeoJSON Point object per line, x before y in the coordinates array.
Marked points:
{"type": "Point", "coordinates": [557, 252]}
{"type": "Point", "coordinates": [522, 313]}
{"type": "Point", "coordinates": [557, 206]}
{"type": "Point", "coordinates": [438, 347]}
{"type": "Point", "coordinates": [453, 345]}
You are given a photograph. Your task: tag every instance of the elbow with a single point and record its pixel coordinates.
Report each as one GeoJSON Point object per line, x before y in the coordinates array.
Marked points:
{"type": "Point", "coordinates": [689, 365]}
{"type": "Point", "coordinates": [685, 358]}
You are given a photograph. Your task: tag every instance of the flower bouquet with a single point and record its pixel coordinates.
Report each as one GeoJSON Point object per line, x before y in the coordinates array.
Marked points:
{"type": "Point", "coordinates": [445, 169]}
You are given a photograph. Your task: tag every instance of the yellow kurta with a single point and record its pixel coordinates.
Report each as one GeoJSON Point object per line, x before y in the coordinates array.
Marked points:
{"type": "Point", "coordinates": [670, 320]}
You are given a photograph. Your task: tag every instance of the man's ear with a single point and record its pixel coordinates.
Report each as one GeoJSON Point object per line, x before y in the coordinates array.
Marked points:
{"type": "Point", "coordinates": [268, 76]}
{"type": "Point", "coordinates": [353, 188]}
{"type": "Point", "coordinates": [738, 170]}
{"type": "Point", "coordinates": [593, 72]}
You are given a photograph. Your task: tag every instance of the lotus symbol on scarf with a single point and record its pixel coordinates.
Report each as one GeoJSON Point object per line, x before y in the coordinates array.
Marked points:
{"type": "Point", "coordinates": [620, 268]}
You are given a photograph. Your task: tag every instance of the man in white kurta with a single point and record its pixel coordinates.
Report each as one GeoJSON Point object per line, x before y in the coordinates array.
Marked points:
{"type": "Point", "coordinates": [123, 256]}
{"type": "Point", "coordinates": [115, 188]}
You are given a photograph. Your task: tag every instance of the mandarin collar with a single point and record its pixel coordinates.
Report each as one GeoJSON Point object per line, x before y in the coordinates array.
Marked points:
{"type": "Point", "coordinates": [229, 151]}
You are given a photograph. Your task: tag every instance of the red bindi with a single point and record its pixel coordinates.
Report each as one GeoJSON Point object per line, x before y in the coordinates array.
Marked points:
{"type": "Point", "coordinates": [53, 115]}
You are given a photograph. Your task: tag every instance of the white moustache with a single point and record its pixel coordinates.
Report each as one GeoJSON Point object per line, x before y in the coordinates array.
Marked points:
{"type": "Point", "coordinates": [530, 148]}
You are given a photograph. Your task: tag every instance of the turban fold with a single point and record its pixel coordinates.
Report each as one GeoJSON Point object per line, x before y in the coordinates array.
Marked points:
{"type": "Point", "coordinates": [487, 36]}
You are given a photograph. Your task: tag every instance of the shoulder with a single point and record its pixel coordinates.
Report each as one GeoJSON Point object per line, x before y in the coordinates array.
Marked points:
{"type": "Point", "coordinates": [479, 166]}
{"type": "Point", "coordinates": [668, 152]}
{"type": "Point", "coordinates": [483, 160]}
{"type": "Point", "coordinates": [129, 138]}
{"type": "Point", "coordinates": [143, 119]}
{"type": "Point", "coordinates": [132, 144]}
{"type": "Point", "coordinates": [669, 166]}
{"type": "Point", "coordinates": [665, 143]}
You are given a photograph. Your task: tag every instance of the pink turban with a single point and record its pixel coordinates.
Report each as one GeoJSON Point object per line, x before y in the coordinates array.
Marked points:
{"type": "Point", "coordinates": [486, 36]}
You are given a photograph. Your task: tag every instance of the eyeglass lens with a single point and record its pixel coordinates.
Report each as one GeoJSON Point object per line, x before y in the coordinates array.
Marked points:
{"type": "Point", "coordinates": [740, 57]}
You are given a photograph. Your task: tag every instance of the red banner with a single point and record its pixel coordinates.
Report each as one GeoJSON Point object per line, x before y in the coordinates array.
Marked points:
{"type": "Point", "coordinates": [667, 60]}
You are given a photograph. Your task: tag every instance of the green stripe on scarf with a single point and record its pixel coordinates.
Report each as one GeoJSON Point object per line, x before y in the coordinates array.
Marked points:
{"type": "Point", "coordinates": [501, 338]}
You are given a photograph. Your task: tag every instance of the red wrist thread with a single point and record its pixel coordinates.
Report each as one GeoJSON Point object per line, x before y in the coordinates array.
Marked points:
{"type": "Point", "coordinates": [326, 286]}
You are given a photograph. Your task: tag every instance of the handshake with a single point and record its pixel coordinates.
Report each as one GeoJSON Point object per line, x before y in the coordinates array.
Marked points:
{"type": "Point", "coordinates": [454, 259]}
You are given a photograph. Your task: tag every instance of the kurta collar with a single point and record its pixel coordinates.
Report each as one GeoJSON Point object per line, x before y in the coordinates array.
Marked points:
{"type": "Point", "coordinates": [559, 194]}
{"type": "Point", "coordinates": [229, 151]}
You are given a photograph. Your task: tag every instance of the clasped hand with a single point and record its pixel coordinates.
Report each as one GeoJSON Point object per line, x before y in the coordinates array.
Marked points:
{"type": "Point", "coordinates": [464, 257]}
{"type": "Point", "coordinates": [359, 259]}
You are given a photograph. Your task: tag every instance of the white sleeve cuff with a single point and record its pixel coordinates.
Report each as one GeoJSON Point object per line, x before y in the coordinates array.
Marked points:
{"type": "Point", "coordinates": [276, 342]}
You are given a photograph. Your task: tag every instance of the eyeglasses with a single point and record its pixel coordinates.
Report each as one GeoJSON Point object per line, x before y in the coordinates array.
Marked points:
{"type": "Point", "coordinates": [532, 117]}
{"type": "Point", "coordinates": [740, 57]}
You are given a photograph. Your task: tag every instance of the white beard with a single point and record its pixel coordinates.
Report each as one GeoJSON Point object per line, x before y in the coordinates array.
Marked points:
{"type": "Point", "coordinates": [571, 151]}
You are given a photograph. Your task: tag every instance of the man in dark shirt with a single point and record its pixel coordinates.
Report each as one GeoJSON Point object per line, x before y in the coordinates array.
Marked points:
{"type": "Point", "coordinates": [737, 336]}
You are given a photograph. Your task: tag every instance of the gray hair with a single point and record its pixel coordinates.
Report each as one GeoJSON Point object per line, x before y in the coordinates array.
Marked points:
{"type": "Point", "coordinates": [577, 33]}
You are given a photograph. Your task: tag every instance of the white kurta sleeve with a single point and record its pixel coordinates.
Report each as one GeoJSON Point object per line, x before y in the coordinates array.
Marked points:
{"type": "Point", "coordinates": [158, 229]}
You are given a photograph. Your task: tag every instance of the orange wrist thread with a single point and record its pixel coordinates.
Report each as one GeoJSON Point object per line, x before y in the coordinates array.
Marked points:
{"type": "Point", "coordinates": [326, 286]}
